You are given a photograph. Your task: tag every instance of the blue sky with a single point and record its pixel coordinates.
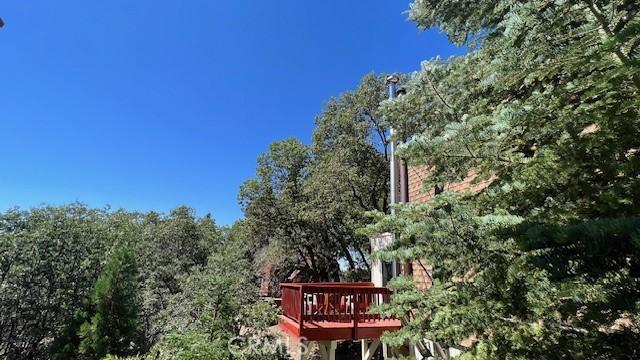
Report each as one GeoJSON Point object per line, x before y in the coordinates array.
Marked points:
{"type": "Point", "coordinates": [146, 105]}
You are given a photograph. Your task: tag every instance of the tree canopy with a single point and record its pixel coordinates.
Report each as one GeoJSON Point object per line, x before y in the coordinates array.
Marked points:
{"type": "Point", "coordinates": [83, 283]}
{"type": "Point", "coordinates": [307, 201]}
{"type": "Point", "coordinates": [545, 263]}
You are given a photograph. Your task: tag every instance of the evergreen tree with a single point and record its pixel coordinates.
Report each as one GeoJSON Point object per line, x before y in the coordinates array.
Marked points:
{"type": "Point", "coordinates": [545, 263]}
{"type": "Point", "coordinates": [114, 322]}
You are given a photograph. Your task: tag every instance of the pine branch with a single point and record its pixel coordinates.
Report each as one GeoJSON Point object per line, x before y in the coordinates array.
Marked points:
{"type": "Point", "coordinates": [435, 90]}
{"type": "Point", "coordinates": [633, 48]}
{"type": "Point", "coordinates": [608, 32]}
{"type": "Point", "coordinates": [575, 330]}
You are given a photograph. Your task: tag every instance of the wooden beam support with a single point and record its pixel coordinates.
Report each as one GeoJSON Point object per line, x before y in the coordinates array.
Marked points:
{"type": "Point", "coordinates": [369, 350]}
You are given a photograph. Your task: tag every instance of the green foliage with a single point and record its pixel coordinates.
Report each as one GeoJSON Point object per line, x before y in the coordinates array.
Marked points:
{"type": "Point", "coordinates": [216, 299]}
{"type": "Point", "coordinates": [115, 305]}
{"type": "Point", "coordinates": [189, 346]}
{"type": "Point", "coordinates": [120, 282]}
{"type": "Point", "coordinates": [543, 263]}
{"type": "Point", "coordinates": [272, 203]}
{"type": "Point", "coordinates": [49, 260]}
{"type": "Point", "coordinates": [215, 304]}
{"type": "Point", "coordinates": [306, 202]}
{"type": "Point", "coordinates": [171, 248]}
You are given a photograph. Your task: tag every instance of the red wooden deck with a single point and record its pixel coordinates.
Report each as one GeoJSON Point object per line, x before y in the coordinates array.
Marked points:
{"type": "Point", "coordinates": [334, 311]}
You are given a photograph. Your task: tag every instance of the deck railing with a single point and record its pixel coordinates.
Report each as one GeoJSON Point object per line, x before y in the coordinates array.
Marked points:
{"type": "Point", "coordinates": [332, 302]}
{"type": "Point", "coordinates": [291, 301]}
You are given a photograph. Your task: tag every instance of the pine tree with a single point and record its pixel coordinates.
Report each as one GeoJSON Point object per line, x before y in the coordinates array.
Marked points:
{"type": "Point", "coordinates": [114, 323]}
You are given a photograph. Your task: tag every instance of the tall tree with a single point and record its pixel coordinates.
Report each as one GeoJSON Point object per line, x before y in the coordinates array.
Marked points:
{"type": "Point", "coordinates": [349, 172]}
{"type": "Point", "coordinates": [171, 248]}
{"type": "Point", "coordinates": [307, 202]}
{"type": "Point", "coordinates": [545, 263]}
{"type": "Point", "coordinates": [115, 306]}
{"type": "Point", "coordinates": [217, 306]}
{"type": "Point", "coordinates": [273, 205]}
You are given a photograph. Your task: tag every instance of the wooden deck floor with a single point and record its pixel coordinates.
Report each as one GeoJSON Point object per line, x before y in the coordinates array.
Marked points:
{"type": "Point", "coordinates": [331, 330]}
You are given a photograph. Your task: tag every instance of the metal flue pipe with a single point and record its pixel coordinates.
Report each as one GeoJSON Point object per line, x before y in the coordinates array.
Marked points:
{"type": "Point", "coordinates": [392, 87]}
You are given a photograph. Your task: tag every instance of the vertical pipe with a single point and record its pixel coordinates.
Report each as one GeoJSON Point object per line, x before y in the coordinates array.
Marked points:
{"type": "Point", "coordinates": [399, 172]}
{"type": "Point", "coordinates": [392, 83]}
{"type": "Point", "coordinates": [392, 87]}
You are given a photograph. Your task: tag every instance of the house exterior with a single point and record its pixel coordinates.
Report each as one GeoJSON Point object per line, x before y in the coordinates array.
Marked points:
{"type": "Point", "coordinates": [382, 272]}
{"type": "Point", "coordinates": [325, 313]}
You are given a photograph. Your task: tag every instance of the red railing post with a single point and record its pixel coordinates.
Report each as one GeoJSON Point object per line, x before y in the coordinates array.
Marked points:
{"type": "Point", "coordinates": [356, 310]}
{"type": "Point", "coordinates": [302, 307]}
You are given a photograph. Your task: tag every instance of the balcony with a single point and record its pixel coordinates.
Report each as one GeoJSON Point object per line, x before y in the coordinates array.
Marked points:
{"type": "Point", "coordinates": [334, 311]}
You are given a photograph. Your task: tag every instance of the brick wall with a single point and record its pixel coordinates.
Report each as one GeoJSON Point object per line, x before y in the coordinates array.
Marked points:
{"type": "Point", "coordinates": [466, 184]}
{"type": "Point", "coordinates": [417, 175]}
{"type": "Point", "coordinates": [417, 194]}
{"type": "Point", "coordinates": [422, 274]}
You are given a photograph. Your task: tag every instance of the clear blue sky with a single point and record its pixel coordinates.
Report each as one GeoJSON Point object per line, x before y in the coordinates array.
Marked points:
{"type": "Point", "coordinates": [147, 105]}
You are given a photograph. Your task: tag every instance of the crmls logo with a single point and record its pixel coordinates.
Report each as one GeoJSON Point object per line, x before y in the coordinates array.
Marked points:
{"type": "Point", "coordinates": [240, 345]}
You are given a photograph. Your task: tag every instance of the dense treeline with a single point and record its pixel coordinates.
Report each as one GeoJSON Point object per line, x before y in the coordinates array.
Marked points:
{"type": "Point", "coordinates": [83, 283]}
